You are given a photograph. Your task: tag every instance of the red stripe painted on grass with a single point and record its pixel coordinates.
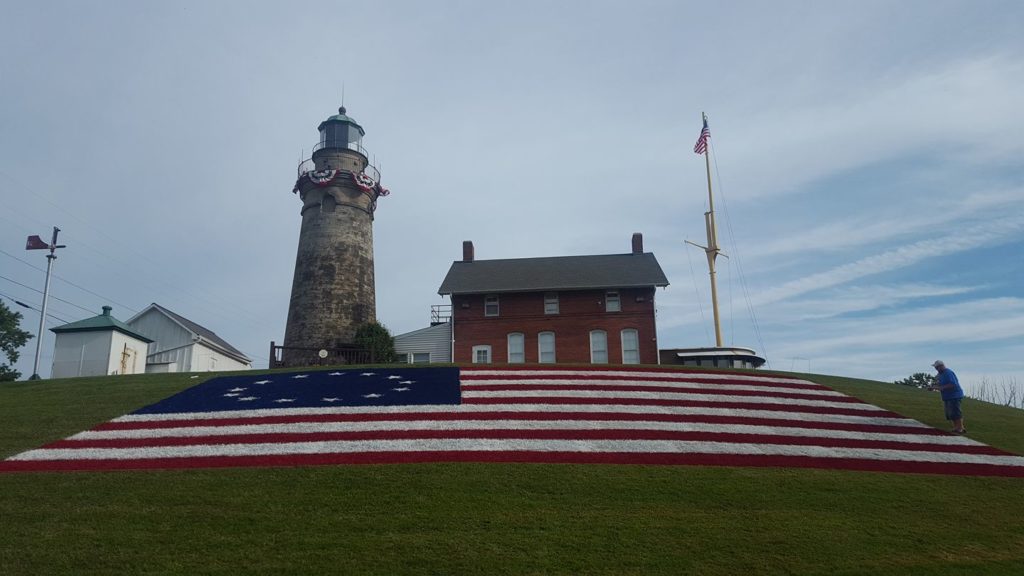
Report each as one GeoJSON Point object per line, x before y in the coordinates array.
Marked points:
{"type": "Point", "coordinates": [655, 388]}
{"type": "Point", "coordinates": [558, 400]}
{"type": "Point", "coordinates": [474, 378]}
{"type": "Point", "coordinates": [500, 415]}
{"type": "Point", "coordinates": [521, 457]}
{"type": "Point", "coordinates": [596, 370]}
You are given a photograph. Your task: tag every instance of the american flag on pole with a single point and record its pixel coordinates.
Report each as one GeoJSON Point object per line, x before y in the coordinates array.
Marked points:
{"type": "Point", "coordinates": [614, 415]}
{"type": "Point", "coordinates": [702, 141]}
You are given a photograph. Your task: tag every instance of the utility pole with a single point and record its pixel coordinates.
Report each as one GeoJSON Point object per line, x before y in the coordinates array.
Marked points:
{"type": "Point", "coordinates": [37, 243]}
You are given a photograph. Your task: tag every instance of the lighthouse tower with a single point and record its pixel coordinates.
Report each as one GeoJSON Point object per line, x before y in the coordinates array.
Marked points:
{"type": "Point", "coordinates": [333, 288]}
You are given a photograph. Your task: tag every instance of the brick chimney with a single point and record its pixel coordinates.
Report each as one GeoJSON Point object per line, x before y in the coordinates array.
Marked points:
{"type": "Point", "coordinates": [467, 251]}
{"type": "Point", "coordinates": [638, 243]}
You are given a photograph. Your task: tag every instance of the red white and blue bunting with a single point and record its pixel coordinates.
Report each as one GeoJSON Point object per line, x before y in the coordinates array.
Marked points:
{"type": "Point", "coordinates": [362, 180]}
{"type": "Point", "coordinates": [321, 177]}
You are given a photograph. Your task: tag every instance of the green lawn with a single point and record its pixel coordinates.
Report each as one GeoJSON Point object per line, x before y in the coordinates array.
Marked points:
{"type": "Point", "coordinates": [495, 518]}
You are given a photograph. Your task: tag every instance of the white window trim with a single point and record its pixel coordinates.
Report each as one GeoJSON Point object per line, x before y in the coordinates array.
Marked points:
{"type": "Point", "coordinates": [482, 348]}
{"type": "Point", "coordinates": [497, 305]}
{"type": "Point", "coordinates": [551, 297]}
{"type": "Point", "coordinates": [622, 339]}
{"type": "Point", "coordinates": [617, 299]}
{"type": "Point", "coordinates": [522, 351]}
{"type": "Point", "coordinates": [540, 348]}
{"type": "Point", "coordinates": [605, 334]}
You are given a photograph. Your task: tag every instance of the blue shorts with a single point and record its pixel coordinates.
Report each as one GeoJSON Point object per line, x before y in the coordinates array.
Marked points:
{"type": "Point", "coordinates": [953, 409]}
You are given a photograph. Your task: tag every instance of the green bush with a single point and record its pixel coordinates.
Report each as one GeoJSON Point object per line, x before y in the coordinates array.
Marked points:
{"type": "Point", "coordinates": [918, 380]}
{"type": "Point", "coordinates": [376, 338]}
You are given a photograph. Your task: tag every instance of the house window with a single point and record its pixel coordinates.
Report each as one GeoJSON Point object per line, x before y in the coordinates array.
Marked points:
{"type": "Point", "coordinates": [546, 347]}
{"type": "Point", "coordinates": [630, 347]}
{"type": "Point", "coordinates": [551, 303]}
{"type": "Point", "coordinates": [415, 358]}
{"type": "Point", "coordinates": [516, 348]}
{"type": "Point", "coordinates": [598, 347]}
{"type": "Point", "coordinates": [482, 354]}
{"type": "Point", "coordinates": [491, 305]}
{"type": "Point", "coordinates": [611, 301]}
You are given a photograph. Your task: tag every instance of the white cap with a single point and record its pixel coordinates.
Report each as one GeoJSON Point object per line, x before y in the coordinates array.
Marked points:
{"type": "Point", "coordinates": [937, 363]}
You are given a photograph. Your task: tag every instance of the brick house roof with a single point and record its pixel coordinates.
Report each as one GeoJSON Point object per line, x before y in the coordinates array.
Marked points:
{"type": "Point", "coordinates": [553, 273]}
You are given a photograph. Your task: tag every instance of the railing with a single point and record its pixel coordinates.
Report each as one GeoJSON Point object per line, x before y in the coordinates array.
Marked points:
{"type": "Point", "coordinates": [293, 356]}
{"type": "Point", "coordinates": [307, 166]}
{"type": "Point", "coordinates": [440, 314]}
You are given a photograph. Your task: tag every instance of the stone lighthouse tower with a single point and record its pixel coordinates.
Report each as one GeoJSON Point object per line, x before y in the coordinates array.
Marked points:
{"type": "Point", "coordinates": [333, 288]}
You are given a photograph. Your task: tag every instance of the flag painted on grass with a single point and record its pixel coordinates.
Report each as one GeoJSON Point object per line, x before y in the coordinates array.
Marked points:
{"type": "Point", "coordinates": [527, 414]}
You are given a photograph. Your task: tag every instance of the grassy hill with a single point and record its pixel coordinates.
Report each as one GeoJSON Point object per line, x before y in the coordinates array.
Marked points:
{"type": "Point", "coordinates": [495, 518]}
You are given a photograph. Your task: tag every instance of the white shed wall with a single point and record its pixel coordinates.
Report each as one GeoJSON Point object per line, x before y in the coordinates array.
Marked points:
{"type": "Point", "coordinates": [166, 333]}
{"type": "Point", "coordinates": [209, 360]}
{"type": "Point", "coordinates": [435, 340]}
{"type": "Point", "coordinates": [161, 368]}
{"type": "Point", "coordinates": [127, 355]}
{"type": "Point", "coordinates": [181, 356]}
{"type": "Point", "coordinates": [81, 354]}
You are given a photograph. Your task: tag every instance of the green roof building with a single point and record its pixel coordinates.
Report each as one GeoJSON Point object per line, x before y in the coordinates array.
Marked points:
{"type": "Point", "coordinates": [98, 346]}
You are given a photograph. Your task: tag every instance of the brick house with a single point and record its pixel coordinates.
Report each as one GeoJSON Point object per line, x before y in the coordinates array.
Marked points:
{"type": "Point", "coordinates": [566, 309]}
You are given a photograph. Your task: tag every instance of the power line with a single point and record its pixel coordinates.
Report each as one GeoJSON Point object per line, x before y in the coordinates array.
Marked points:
{"type": "Point", "coordinates": [170, 289]}
{"type": "Point", "coordinates": [211, 306]}
{"type": "Point", "coordinates": [40, 291]}
{"type": "Point", "coordinates": [696, 290]}
{"type": "Point", "coordinates": [82, 288]}
{"type": "Point", "coordinates": [739, 264]}
{"type": "Point", "coordinates": [250, 318]}
{"type": "Point", "coordinates": [31, 307]}
{"type": "Point", "coordinates": [129, 308]}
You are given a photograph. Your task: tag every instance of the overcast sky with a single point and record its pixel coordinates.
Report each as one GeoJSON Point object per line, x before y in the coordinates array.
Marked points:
{"type": "Point", "coordinates": [867, 161]}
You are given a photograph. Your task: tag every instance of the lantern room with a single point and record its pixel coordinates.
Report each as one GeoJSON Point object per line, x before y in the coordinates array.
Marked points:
{"type": "Point", "coordinates": [341, 131]}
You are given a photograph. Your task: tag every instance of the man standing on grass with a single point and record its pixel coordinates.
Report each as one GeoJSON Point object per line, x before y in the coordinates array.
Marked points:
{"type": "Point", "coordinates": [952, 394]}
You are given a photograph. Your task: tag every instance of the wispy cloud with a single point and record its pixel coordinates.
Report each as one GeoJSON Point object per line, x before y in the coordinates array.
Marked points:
{"type": "Point", "coordinates": [967, 108]}
{"type": "Point", "coordinates": [982, 335]}
{"type": "Point", "coordinates": [845, 230]}
{"type": "Point", "coordinates": [996, 232]}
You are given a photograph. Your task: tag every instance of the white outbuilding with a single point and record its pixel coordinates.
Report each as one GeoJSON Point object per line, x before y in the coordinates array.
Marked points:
{"type": "Point", "coordinates": [181, 345]}
{"type": "Point", "coordinates": [98, 346]}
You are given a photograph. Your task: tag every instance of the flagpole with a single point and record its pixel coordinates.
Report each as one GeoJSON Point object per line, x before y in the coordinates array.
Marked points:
{"type": "Point", "coordinates": [46, 293]}
{"type": "Point", "coordinates": [712, 249]}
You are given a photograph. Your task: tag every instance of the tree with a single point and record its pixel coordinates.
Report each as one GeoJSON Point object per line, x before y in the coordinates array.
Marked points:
{"type": "Point", "coordinates": [376, 338]}
{"type": "Point", "coordinates": [11, 338]}
{"type": "Point", "coordinates": [919, 380]}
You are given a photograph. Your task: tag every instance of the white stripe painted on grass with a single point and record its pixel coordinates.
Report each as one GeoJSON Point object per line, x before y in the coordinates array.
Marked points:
{"type": "Point", "coordinates": [521, 408]}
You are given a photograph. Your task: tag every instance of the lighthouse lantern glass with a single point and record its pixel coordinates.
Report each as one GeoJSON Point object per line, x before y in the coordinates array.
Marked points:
{"type": "Point", "coordinates": [340, 135]}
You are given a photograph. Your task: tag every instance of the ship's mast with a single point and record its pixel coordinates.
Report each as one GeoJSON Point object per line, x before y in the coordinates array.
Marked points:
{"type": "Point", "coordinates": [711, 250]}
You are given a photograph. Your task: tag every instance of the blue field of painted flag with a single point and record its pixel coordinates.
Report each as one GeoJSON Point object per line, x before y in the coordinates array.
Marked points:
{"type": "Point", "coordinates": [316, 389]}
